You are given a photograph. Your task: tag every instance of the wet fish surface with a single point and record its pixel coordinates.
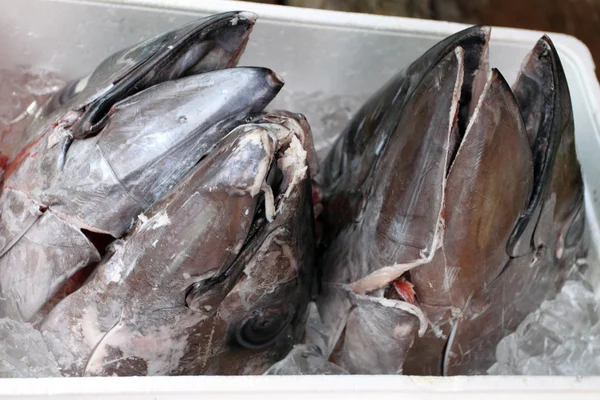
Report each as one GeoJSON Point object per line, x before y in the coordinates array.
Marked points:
{"type": "Point", "coordinates": [444, 220]}
{"type": "Point", "coordinates": [155, 220]}
{"type": "Point", "coordinates": [158, 217]}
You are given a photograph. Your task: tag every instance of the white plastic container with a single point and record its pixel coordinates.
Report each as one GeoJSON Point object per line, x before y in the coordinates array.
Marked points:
{"type": "Point", "coordinates": [320, 54]}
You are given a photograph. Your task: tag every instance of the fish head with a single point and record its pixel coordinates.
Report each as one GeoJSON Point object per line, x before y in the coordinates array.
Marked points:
{"type": "Point", "coordinates": [215, 278]}
{"type": "Point", "coordinates": [150, 141]}
{"type": "Point", "coordinates": [263, 313]}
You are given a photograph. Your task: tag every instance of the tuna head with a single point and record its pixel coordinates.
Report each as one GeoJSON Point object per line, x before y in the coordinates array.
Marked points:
{"type": "Point", "coordinates": [149, 142]}
{"type": "Point", "coordinates": [549, 235]}
{"type": "Point", "coordinates": [214, 279]}
{"type": "Point", "coordinates": [396, 226]}
{"type": "Point", "coordinates": [461, 207]}
{"type": "Point", "coordinates": [357, 149]}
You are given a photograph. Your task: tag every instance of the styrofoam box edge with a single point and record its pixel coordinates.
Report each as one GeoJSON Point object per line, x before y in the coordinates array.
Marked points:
{"type": "Point", "coordinates": [301, 387]}
{"type": "Point", "coordinates": [337, 387]}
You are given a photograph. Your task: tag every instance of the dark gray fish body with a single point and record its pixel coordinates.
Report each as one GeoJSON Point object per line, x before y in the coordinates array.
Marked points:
{"type": "Point", "coordinates": [489, 184]}
{"type": "Point", "coordinates": [549, 236]}
{"type": "Point", "coordinates": [390, 227]}
{"type": "Point", "coordinates": [463, 207]}
{"type": "Point", "coordinates": [204, 284]}
{"type": "Point", "coordinates": [22, 93]}
{"type": "Point", "coordinates": [146, 142]}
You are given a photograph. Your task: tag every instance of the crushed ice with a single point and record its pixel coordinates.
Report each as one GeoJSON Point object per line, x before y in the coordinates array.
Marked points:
{"type": "Point", "coordinates": [23, 352]}
{"type": "Point", "coordinates": [305, 360]}
{"type": "Point", "coordinates": [561, 337]}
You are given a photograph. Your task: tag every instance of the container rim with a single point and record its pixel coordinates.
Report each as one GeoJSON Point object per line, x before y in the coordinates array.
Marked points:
{"type": "Point", "coordinates": [330, 18]}
{"type": "Point", "coordinates": [299, 387]}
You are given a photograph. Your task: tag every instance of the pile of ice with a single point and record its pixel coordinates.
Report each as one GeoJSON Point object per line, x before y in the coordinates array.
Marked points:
{"type": "Point", "coordinates": [23, 352]}
{"type": "Point", "coordinates": [305, 359]}
{"type": "Point", "coordinates": [562, 337]}
{"type": "Point", "coordinates": [20, 87]}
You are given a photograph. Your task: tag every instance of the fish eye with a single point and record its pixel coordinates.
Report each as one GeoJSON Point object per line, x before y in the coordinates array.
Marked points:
{"type": "Point", "coordinates": [263, 326]}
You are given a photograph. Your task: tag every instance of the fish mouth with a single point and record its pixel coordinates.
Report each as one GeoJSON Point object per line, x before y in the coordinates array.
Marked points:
{"type": "Point", "coordinates": [215, 42]}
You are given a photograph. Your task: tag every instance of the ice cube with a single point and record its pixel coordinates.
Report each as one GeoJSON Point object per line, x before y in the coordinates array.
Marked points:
{"type": "Point", "coordinates": [305, 360]}
{"type": "Point", "coordinates": [502, 369]}
{"type": "Point", "coordinates": [41, 83]}
{"type": "Point", "coordinates": [561, 337]}
{"type": "Point", "coordinates": [20, 87]}
{"type": "Point", "coordinates": [23, 352]}
{"type": "Point", "coordinates": [22, 93]}
{"type": "Point", "coordinates": [582, 301]}
{"type": "Point", "coordinates": [536, 365]}
{"type": "Point", "coordinates": [556, 327]}
{"type": "Point", "coordinates": [316, 332]}
{"type": "Point", "coordinates": [593, 336]}
{"type": "Point", "coordinates": [508, 351]}
{"type": "Point", "coordinates": [535, 335]}
{"type": "Point", "coordinates": [571, 357]}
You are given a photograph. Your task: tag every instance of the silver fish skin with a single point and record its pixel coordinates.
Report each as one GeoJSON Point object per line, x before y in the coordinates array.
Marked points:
{"type": "Point", "coordinates": [150, 141]}
{"type": "Point", "coordinates": [214, 279]}
{"type": "Point", "coordinates": [202, 45]}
